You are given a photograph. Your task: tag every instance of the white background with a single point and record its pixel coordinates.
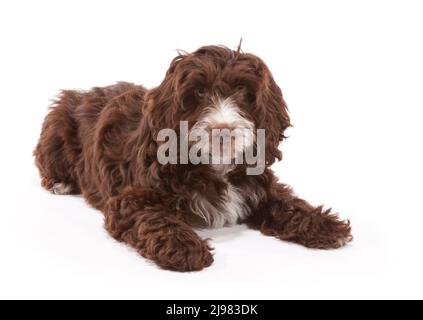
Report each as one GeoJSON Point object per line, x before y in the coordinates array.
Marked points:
{"type": "Point", "coordinates": [352, 74]}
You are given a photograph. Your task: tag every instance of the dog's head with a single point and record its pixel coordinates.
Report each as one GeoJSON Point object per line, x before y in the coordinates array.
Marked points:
{"type": "Point", "coordinates": [218, 88]}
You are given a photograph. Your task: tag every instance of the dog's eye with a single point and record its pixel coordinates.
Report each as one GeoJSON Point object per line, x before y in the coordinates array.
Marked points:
{"type": "Point", "coordinates": [240, 87]}
{"type": "Point", "coordinates": [200, 92]}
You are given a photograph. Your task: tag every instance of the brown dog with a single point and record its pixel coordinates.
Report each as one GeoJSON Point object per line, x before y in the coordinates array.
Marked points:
{"type": "Point", "coordinates": [103, 143]}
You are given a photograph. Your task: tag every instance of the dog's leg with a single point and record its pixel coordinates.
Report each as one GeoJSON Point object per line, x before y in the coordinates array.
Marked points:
{"type": "Point", "coordinates": [290, 218]}
{"type": "Point", "coordinates": [148, 226]}
{"type": "Point", "coordinates": [58, 148]}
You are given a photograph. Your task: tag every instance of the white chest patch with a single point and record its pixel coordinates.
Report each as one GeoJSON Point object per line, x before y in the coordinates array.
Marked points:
{"type": "Point", "coordinates": [231, 208]}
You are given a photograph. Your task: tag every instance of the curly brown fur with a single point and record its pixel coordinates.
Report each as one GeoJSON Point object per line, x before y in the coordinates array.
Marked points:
{"type": "Point", "coordinates": [139, 220]}
{"type": "Point", "coordinates": [103, 143]}
{"type": "Point", "coordinates": [290, 218]}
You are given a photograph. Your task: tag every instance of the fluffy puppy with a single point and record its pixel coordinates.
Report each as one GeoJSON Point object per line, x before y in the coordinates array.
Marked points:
{"type": "Point", "coordinates": [104, 144]}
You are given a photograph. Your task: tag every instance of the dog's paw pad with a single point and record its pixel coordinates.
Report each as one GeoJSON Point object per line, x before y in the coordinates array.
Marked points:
{"type": "Point", "coordinates": [61, 188]}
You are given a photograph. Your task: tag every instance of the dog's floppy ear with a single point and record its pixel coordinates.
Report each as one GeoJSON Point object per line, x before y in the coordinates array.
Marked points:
{"type": "Point", "coordinates": [273, 112]}
{"type": "Point", "coordinates": [168, 86]}
{"type": "Point", "coordinates": [181, 55]}
{"type": "Point", "coordinates": [162, 101]}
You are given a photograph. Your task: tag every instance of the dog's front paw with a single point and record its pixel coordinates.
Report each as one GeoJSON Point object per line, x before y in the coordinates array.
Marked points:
{"type": "Point", "coordinates": [183, 252]}
{"type": "Point", "coordinates": [327, 231]}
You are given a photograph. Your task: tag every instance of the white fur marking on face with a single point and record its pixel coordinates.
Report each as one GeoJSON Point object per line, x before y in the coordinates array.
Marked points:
{"type": "Point", "coordinates": [224, 112]}
{"type": "Point", "coordinates": [61, 189]}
